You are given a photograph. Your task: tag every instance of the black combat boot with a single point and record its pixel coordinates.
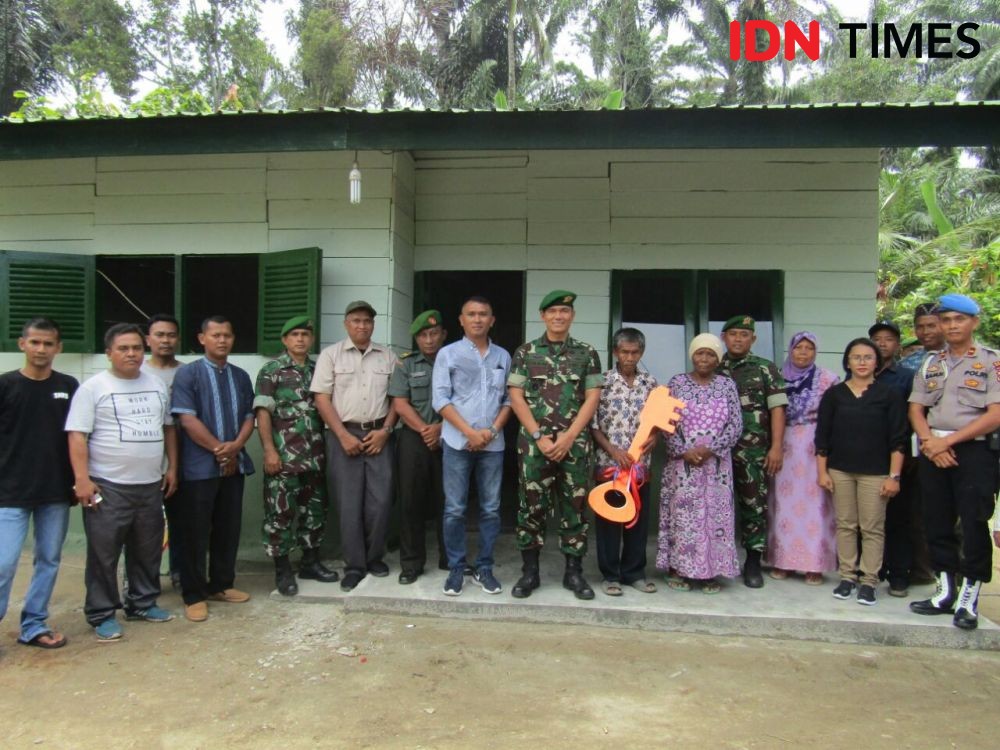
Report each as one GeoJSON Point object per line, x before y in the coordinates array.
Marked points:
{"type": "Point", "coordinates": [529, 580]}
{"type": "Point", "coordinates": [573, 578]}
{"type": "Point", "coordinates": [312, 569]}
{"type": "Point", "coordinates": [942, 602]}
{"type": "Point", "coordinates": [284, 577]}
{"type": "Point", "coordinates": [752, 576]}
{"type": "Point", "coordinates": [966, 614]}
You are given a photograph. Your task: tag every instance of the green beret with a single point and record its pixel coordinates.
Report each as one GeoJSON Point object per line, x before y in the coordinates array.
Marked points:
{"type": "Point", "coordinates": [299, 321]}
{"type": "Point", "coordinates": [557, 297]}
{"type": "Point", "coordinates": [426, 319]}
{"type": "Point", "coordinates": [744, 322]}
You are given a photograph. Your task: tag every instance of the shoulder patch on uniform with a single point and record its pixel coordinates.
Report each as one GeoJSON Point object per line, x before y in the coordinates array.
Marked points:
{"type": "Point", "coordinates": [404, 356]}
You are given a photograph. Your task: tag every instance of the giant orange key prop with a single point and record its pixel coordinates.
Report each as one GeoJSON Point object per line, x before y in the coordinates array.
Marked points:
{"type": "Point", "coordinates": [618, 499]}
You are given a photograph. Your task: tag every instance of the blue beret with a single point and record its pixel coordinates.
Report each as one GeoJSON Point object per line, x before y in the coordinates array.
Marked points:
{"type": "Point", "coordinates": [957, 303]}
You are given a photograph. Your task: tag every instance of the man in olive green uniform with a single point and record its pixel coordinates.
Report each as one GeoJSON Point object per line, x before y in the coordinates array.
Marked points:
{"type": "Point", "coordinates": [418, 447]}
{"type": "Point", "coordinates": [555, 384]}
{"type": "Point", "coordinates": [291, 434]}
{"type": "Point", "coordinates": [758, 454]}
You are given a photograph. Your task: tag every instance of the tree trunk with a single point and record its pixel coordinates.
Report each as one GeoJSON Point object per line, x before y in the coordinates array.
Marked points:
{"type": "Point", "coordinates": [511, 53]}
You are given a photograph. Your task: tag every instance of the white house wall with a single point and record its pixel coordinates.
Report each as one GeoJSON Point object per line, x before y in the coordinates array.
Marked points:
{"type": "Point", "coordinates": [570, 217]}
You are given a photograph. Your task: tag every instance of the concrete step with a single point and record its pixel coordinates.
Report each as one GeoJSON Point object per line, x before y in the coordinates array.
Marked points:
{"type": "Point", "coordinates": [782, 609]}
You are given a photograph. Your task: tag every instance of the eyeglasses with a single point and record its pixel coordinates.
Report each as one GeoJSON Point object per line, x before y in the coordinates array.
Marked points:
{"type": "Point", "coordinates": [861, 358]}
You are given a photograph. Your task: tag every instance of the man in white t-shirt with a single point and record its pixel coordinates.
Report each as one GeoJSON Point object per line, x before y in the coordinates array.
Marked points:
{"type": "Point", "coordinates": [119, 426]}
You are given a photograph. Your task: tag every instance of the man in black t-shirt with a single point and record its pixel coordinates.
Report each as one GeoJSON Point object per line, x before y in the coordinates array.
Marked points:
{"type": "Point", "coordinates": [36, 481]}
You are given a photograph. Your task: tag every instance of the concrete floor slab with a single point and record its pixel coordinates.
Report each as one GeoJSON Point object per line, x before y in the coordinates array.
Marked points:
{"type": "Point", "coordinates": [782, 609]}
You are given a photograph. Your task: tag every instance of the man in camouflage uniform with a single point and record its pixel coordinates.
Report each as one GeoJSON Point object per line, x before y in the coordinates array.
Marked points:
{"type": "Point", "coordinates": [757, 455]}
{"type": "Point", "coordinates": [554, 384]}
{"type": "Point", "coordinates": [291, 433]}
{"type": "Point", "coordinates": [418, 447]}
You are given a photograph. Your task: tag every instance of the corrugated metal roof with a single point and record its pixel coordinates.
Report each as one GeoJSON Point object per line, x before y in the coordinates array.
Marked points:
{"type": "Point", "coordinates": [452, 110]}
{"type": "Point", "coordinates": [832, 125]}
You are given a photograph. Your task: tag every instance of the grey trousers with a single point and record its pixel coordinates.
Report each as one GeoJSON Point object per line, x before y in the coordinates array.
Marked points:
{"type": "Point", "coordinates": [361, 488]}
{"type": "Point", "coordinates": [130, 516]}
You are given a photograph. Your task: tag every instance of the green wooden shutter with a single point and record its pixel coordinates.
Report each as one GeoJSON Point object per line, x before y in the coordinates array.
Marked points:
{"type": "Point", "coordinates": [289, 286]}
{"type": "Point", "coordinates": [52, 285]}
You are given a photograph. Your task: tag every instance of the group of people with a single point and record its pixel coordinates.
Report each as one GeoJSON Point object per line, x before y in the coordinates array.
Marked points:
{"type": "Point", "coordinates": [807, 472]}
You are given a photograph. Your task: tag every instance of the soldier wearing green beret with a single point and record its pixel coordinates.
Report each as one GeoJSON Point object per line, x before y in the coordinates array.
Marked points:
{"type": "Point", "coordinates": [758, 454]}
{"type": "Point", "coordinates": [555, 384]}
{"type": "Point", "coordinates": [291, 434]}
{"type": "Point", "coordinates": [418, 447]}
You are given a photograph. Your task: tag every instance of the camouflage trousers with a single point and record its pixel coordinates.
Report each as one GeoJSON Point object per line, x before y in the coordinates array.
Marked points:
{"type": "Point", "coordinates": [750, 485]}
{"type": "Point", "coordinates": [543, 487]}
{"type": "Point", "coordinates": [285, 497]}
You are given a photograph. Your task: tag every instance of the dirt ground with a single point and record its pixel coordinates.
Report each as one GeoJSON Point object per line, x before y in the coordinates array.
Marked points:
{"type": "Point", "coordinates": [271, 674]}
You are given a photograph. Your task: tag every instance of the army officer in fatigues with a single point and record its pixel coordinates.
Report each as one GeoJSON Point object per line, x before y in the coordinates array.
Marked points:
{"type": "Point", "coordinates": [418, 447]}
{"type": "Point", "coordinates": [757, 455]}
{"type": "Point", "coordinates": [954, 406]}
{"type": "Point", "coordinates": [291, 433]}
{"type": "Point", "coordinates": [555, 384]}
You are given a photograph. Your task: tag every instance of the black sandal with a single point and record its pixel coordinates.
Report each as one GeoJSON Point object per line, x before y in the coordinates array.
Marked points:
{"type": "Point", "coordinates": [38, 643]}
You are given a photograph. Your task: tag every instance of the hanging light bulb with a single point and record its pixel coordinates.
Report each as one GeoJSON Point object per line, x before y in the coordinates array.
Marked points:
{"type": "Point", "coordinates": [354, 177]}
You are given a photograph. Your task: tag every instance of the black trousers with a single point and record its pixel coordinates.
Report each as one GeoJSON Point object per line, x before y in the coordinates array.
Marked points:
{"type": "Point", "coordinates": [898, 553]}
{"type": "Point", "coordinates": [421, 494]}
{"type": "Point", "coordinates": [964, 492]}
{"type": "Point", "coordinates": [621, 552]}
{"type": "Point", "coordinates": [209, 513]}
{"type": "Point", "coordinates": [129, 517]}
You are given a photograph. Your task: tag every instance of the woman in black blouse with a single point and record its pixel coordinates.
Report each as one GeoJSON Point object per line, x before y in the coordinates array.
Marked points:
{"type": "Point", "coordinates": [860, 443]}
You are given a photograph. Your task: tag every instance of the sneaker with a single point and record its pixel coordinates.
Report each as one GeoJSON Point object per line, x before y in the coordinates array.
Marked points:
{"type": "Point", "coordinates": [453, 586]}
{"type": "Point", "coordinates": [866, 595]}
{"type": "Point", "coordinates": [109, 630]}
{"type": "Point", "coordinates": [485, 578]}
{"type": "Point", "coordinates": [844, 590]}
{"type": "Point", "coordinates": [151, 614]}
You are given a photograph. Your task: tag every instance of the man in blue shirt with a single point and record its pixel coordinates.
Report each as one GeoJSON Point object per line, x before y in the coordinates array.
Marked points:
{"type": "Point", "coordinates": [469, 390]}
{"type": "Point", "coordinates": [213, 401]}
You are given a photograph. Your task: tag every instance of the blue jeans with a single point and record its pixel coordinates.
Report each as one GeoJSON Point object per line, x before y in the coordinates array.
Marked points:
{"type": "Point", "coordinates": [50, 522]}
{"type": "Point", "coordinates": [458, 468]}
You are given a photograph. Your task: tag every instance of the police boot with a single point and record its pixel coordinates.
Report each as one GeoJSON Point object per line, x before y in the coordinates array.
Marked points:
{"type": "Point", "coordinates": [284, 577]}
{"type": "Point", "coordinates": [312, 569]}
{"type": "Point", "coordinates": [529, 580]}
{"type": "Point", "coordinates": [966, 614]}
{"type": "Point", "coordinates": [942, 601]}
{"type": "Point", "coordinates": [573, 578]}
{"type": "Point", "coordinates": [752, 576]}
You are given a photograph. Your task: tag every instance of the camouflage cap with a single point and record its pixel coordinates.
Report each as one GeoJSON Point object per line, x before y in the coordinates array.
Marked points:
{"type": "Point", "coordinates": [557, 297]}
{"type": "Point", "coordinates": [426, 319]}
{"type": "Point", "coordinates": [299, 321]}
{"type": "Point", "coordinates": [744, 322]}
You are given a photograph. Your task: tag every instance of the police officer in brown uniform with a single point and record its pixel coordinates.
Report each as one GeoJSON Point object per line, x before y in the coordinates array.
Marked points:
{"type": "Point", "coordinates": [954, 407]}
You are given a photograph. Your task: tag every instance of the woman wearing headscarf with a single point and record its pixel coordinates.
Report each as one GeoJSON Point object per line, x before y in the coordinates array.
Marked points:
{"type": "Point", "coordinates": [697, 525]}
{"type": "Point", "coordinates": [801, 525]}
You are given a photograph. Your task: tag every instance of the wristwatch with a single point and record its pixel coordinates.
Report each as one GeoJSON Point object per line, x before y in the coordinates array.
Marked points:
{"type": "Point", "coordinates": [536, 435]}
{"type": "Point", "coordinates": [895, 477]}
{"type": "Point", "coordinates": [493, 432]}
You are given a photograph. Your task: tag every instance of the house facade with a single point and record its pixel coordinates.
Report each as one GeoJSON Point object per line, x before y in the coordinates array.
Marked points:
{"type": "Point", "coordinates": [671, 220]}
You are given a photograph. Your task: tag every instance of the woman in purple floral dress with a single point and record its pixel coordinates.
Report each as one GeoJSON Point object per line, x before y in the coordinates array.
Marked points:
{"type": "Point", "coordinates": [801, 527]}
{"type": "Point", "coordinates": [697, 524]}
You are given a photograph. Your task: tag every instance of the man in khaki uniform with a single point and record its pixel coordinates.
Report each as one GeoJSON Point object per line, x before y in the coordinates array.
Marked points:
{"type": "Point", "coordinates": [351, 383]}
{"type": "Point", "coordinates": [954, 406]}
